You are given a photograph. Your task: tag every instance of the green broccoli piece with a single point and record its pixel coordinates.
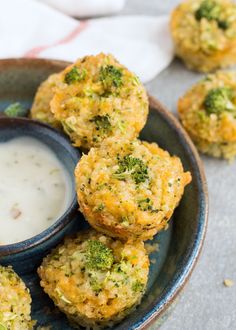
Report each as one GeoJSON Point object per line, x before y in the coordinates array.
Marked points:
{"type": "Point", "coordinates": [2, 327]}
{"type": "Point", "coordinates": [208, 9]}
{"type": "Point", "coordinates": [110, 76]}
{"type": "Point", "coordinates": [137, 286]}
{"type": "Point", "coordinates": [98, 256]}
{"type": "Point", "coordinates": [224, 25]}
{"type": "Point", "coordinates": [146, 205]}
{"type": "Point", "coordinates": [219, 100]}
{"type": "Point", "coordinates": [16, 110]}
{"type": "Point", "coordinates": [211, 10]}
{"type": "Point", "coordinates": [100, 207]}
{"type": "Point", "coordinates": [74, 75]}
{"type": "Point", "coordinates": [95, 285]}
{"type": "Point", "coordinates": [134, 167]}
{"type": "Point", "coordinates": [102, 123]}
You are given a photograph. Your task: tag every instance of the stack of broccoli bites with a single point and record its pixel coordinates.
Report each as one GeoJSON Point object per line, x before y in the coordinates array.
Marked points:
{"type": "Point", "coordinates": [15, 302]}
{"type": "Point", "coordinates": [208, 112]}
{"type": "Point", "coordinates": [127, 190]}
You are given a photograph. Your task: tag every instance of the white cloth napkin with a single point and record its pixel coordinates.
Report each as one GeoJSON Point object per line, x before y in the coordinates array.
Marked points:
{"type": "Point", "coordinates": [85, 8]}
{"type": "Point", "coordinates": [32, 29]}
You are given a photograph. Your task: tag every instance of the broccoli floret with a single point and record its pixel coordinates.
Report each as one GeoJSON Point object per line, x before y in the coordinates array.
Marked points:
{"type": "Point", "coordinates": [208, 9]}
{"type": "Point", "coordinates": [98, 256]}
{"type": "Point", "coordinates": [74, 75]}
{"type": "Point", "coordinates": [146, 205]}
{"type": "Point", "coordinates": [100, 207]}
{"type": "Point", "coordinates": [95, 285]}
{"type": "Point", "coordinates": [102, 123]}
{"type": "Point", "coordinates": [219, 100]}
{"type": "Point", "coordinates": [224, 25]}
{"type": "Point", "coordinates": [110, 76]}
{"type": "Point", "coordinates": [138, 286]}
{"type": "Point", "coordinates": [134, 167]}
{"type": "Point", "coordinates": [16, 110]}
{"type": "Point", "coordinates": [211, 10]}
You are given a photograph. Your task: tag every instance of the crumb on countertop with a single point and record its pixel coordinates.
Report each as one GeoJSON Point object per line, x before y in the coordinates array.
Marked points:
{"type": "Point", "coordinates": [228, 282]}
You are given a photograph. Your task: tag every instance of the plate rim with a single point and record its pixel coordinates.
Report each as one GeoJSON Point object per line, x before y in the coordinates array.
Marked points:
{"type": "Point", "coordinates": [174, 289]}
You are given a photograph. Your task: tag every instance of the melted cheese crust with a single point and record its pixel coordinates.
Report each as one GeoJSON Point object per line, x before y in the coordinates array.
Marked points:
{"type": "Point", "coordinates": [95, 298]}
{"type": "Point", "coordinates": [123, 208]}
{"type": "Point", "coordinates": [203, 45]}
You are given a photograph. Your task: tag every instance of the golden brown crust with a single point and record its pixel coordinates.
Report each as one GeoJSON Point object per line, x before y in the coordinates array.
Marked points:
{"type": "Point", "coordinates": [214, 134]}
{"type": "Point", "coordinates": [94, 297]}
{"type": "Point", "coordinates": [203, 45]}
{"type": "Point", "coordinates": [40, 109]}
{"type": "Point", "coordinates": [106, 100]}
{"type": "Point", "coordinates": [15, 302]}
{"type": "Point", "coordinates": [121, 204]}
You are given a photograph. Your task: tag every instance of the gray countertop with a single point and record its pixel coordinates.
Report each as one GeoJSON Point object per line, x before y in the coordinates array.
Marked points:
{"type": "Point", "coordinates": [206, 303]}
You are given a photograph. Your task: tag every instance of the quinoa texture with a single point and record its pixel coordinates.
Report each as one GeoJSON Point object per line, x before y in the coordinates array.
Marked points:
{"type": "Point", "coordinates": [97, 98]}
{"type": "Point", "coordinates": [129, 189]}
{"type": "Point", "coordinates": [208, 113]}
{"type": "Point", "coordinates": [204, 33]}
{"type": "Point", "coordinates": [41, 109]}
{"type": "Point", "coordinates": [94, 279]}
{"type": "Point", "coordinates": [15, 302]}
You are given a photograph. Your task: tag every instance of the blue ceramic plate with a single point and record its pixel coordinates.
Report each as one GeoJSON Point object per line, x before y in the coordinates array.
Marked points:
{"type": "Point", "coordinates": [179, 246]}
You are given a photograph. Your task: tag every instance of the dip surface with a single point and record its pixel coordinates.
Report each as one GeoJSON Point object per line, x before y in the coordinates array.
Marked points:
{"type": "Point", "coordinates": [35, 189]}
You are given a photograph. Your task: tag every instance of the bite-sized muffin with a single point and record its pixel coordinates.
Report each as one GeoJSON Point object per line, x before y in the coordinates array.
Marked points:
{"type": "Point", "coordinates": [40, 109]}
{"type": "Point", "coordinates": [208, 112]}
{"type": "Point", "coordinates": [204, 33]}
{"type": "Point", "coordinates": [15, 302]}
{"type": "Point", "coordinates": [94, 279]}
{"type": "Point", "coordinates": [129, 189]}
{"type": "Point", "coordinates": [99, 98]}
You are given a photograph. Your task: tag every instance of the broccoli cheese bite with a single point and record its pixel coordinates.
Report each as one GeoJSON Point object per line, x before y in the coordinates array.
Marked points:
{"type": "Point", "coordinates": [208, 112]}
{"type": "Point", "coordinates": [99, 98]}
{"type": "Point", "coordinates": [204, 33]}
{"type": "Point", "coordinates": [129, 189]}
{"type": "Point", "coordinates": [15, 302]}
{"type": "Point", "coordinates": [40, 109]}
{"type": "Point", "coordinates": [94, 279]}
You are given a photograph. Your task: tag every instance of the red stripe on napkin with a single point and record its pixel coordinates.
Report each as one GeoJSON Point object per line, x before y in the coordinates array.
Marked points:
{"type": "Point", "coordinates": [34, 52]}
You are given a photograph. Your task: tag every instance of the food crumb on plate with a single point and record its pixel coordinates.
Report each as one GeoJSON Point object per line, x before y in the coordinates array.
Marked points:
{"type": "Point", "coordinates": [152, 247]}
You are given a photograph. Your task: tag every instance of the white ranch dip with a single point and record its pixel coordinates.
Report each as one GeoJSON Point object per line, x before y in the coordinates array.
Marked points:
{"type": "Point", "coordinates": [35, 189]}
